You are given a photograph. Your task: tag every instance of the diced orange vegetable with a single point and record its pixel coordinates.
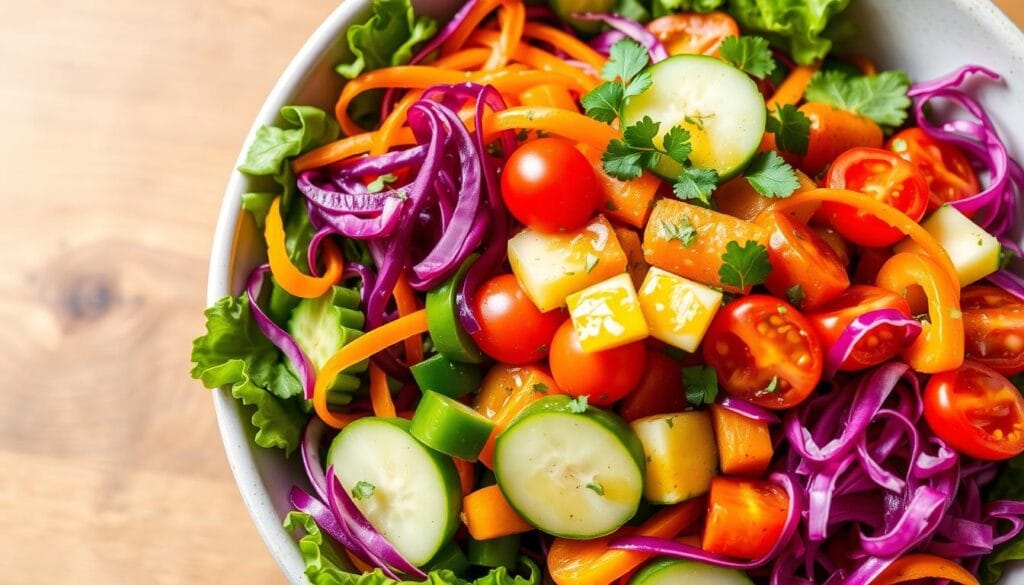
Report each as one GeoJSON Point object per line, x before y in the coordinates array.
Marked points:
{"type": "Point", "coordinates": [921, 566]}
{"type": "Point", "coordinates": [744, 444]}
{"type": "Point", "coordinates": [591, 562]}
{"type": "Point", "coordinates": [792, 89]}
{"type": "Point", "coordinates": [701, 260]}
{"type": "Point", "coordinates": [487, 514]}
{"type": "Point", "coordinates": [736, 197]}
{"type": "Point", "coordinates": [745, 517]}
{"type": "Point", "coordinates": [833, 131]}
{"type": "Point", "coordinates": [467, 474]}
{"type": "Point", "coordinates": [536, 383]}
{"type": "Point", "coordinates": [660, 389]}
{"type": "Point", "coordinates": [627, 201]}
{"type": "Point", "coordinates": [636, 265]}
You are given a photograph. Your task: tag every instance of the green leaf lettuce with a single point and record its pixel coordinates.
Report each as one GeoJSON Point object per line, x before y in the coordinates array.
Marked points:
{"type": "Point", "coordinates": [387, 38]}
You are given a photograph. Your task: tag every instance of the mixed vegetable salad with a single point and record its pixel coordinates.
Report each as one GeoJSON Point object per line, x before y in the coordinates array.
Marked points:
{"type": "Point", "coordinates": [639, 292]}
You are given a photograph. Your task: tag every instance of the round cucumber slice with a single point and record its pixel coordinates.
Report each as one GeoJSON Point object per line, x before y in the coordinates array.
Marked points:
{"type": "Point", "coordinates": [719, 105]}
{"type": "Point", "coordinates": [450, 427]}
{"type": "Point", "coordinates": [408, 492]}
{"type": "Point", "coordinates": [675, 571]}
{"type": "Point", "coordinates": [569, 473]}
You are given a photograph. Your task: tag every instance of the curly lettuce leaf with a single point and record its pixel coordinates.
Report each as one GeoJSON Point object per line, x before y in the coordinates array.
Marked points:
{"type": "Point", "coordinates": [234, 352]}
{"type": "Point", "coordinates": [323, 566]}
{"type": "Point", "coordinates": [273, 146]}
{"type": "Point", "coordinates": [1008, 486]}
{"type": "Point", "coordinates": [801, 27]}
{"type": "Point", "coordinates": [387, 38]}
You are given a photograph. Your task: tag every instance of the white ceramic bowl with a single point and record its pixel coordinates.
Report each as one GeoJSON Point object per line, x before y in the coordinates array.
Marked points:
{"type": "Point", "coordinates": [927, 38]}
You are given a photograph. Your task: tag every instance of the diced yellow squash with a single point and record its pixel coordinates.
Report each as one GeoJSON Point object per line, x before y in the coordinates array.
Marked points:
{"type": "Point", "coordinates": [974, 252]}
{"type": "Point", "coordinates": [636, 264]}
{"type": "Point", "coordinates": [550, 267]}
{"type": "Point", "coordinates": [607, 314]}
{"type": "Point", "coordinates": [678, 310]}
{"type": "Point", "coordinates": [682, 456]}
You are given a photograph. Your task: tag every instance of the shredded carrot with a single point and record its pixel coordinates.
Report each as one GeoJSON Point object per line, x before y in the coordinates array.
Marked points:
{"type": "Point", "coordinates": [792, 89]}
{"type": "Point", "coordinates": [921, 566]}
{"type": "Point", "coordinates": [512, 18]}
{"type": "Point", "coordinates": [537, 59]}
{"type": "Point", "coordinates": [549, 96]}
{"type": "Point", "coordinates": [566, 43]}
{"type": "Point", "coordinates": [286, 275]}
{"type": "Point", "coordinates": [882, 211]}
{"type": "Point", "coordinates": [380, 394]}
{"type": "Point", "coordinates": [358, 562]}
{"type": "Point", "coordinates": [476, 15]}
{"type": "Point", "coordinates": [405, 299]}
{"type": "Point", "coordinates": [360, 349]}
{"type": "Point", "coordinates": [334, 151]}
{"type": "Point", "coordinates": [564, 123]}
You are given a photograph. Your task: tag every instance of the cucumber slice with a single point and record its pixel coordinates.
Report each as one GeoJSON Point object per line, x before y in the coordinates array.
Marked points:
{"type": "Point", "coordinates": [719, 105]}
{"type": "Point", "coordinates": [321, 327]}
{"type": "Point", "coordinates": [494, 553]}
{"type": "Point", "coordinates": [571, 475]}
{"type": "Point", "coordinates": [416, 496]}
{"type": "Point", "coordinates": [676, 571]}
{"type": "Point", "coordinates": [566, 8]}
{"type": "Point", "coordinates": [440, 374]}
{"type": "Point", "coordinates": [448, 426]}
{"type": "Point", "coordinates": [450, 339]}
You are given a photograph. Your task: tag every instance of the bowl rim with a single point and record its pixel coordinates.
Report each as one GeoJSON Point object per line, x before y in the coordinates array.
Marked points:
{"type": "Point", "coordinates": [234, 435]}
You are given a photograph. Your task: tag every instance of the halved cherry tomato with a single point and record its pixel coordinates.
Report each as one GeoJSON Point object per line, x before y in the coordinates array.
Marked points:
{"type": "Point", "coordinates": [512, 329]}
{"type": "Point", "coordinates": [945, 168]}
{"type": "Point", "coordinates": [799, 257]}
{"type": "Point", "coordinates": [764, 351]}
{"type": "Point", "coordinates": [994, 328]}
{"type": "Point", "coordinates": [839, 245]}
{"type": "Point", "coordinates": [883, 343]}
{"type": "Point", "coordinates": [550, 186]}
{"type": "Point", "coordinates": [660, 390]}
{"type": "Point", "coordinates": [976, 410]}
{"type": "Point", "coordinates": [603, 376]}
{"type": "Point", "coordinates": [693, 33]}
{"type": "Point", "coordinates": [745, 517]}
{"type": "Point", "coordinates": [884, 176]}
{"type": "Point", "coordinates": [869, 263]}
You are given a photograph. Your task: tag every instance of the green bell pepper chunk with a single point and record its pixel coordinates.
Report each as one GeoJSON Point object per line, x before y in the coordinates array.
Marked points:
{"type": "Point", "coordinates": [442, 375]}
{"type": "Point", "coordinates": [494, 553]}
{"type": "Point", "coordinates": [450, 339]}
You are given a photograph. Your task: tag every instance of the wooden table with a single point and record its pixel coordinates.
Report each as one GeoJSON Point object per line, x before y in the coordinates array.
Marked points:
{"type": "Point", "coordinates": [122, 121]}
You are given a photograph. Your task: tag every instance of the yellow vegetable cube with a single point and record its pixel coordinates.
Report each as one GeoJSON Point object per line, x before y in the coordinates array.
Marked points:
{"type": "Point", "coordinates": [678, 310]}
{"type": "Point", "coordinates": [550, 267]}
{"type": "Point", "coordinates": [682, 455]}
{"type": "Point", "coordinates": [607, 314]}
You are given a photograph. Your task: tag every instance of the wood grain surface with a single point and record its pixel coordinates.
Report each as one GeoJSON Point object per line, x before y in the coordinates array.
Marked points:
{"type": "Point", "coordinates": [122, 121]}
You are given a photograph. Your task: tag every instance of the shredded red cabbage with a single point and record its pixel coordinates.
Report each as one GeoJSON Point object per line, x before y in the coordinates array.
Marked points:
{"type": "Point", "coordinates": [603, 42]}
{"type": "Point", "coordinates": [279, 337]}
{"type": "Point", "coordinates": [312, 440]}
{"type": "Point", "coordinates": [747, 409]}
{"type": "Point", "coordinates": [840, 351]}
{"type": "Point", "coordinates": [629, 28]}
{"type": "Point", "coordinates": [1009, 282]}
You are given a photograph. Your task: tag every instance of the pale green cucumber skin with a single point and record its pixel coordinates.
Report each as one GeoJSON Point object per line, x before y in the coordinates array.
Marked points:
{"type": "Point", "coordinates": [668, 572]}
{"type": "Point", "coordinates": [668, 169]}
{"type": "Point", "coordinates": [464, 442]}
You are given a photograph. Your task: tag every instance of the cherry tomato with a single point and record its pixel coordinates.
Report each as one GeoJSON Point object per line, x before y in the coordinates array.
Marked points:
{"type": "Point", "coordinates": [693, 33]}
{"type": "Point", "coordinates": [831, 237]}
{"type": "Point", "coordinates": [883, 343]}
{"type": "Point", "coordinates": [945, 168]}
{"type": "Point", "coordinates": [977, 411]}
{"type": "Point", "coordinates": [603, 376]}
{"type": "Point", "coordinates": [549, 186]}
{"type": "Point", "coordinates": [660, 390]}
{"type": "Point", "coordinates": [745, 517]}
{"type": "Point", "coordinates": [994, 328]}
{"type": "Point", "coordinates": [799, 257]}
{"type": "Point", "coordinates": [884, 176]}
{"type": "Point", "coordinates": [512, 329]}
{"type": "Point", "coordinates": [869, 263]}
{"type": "Point", "coordinates": [764, 351]}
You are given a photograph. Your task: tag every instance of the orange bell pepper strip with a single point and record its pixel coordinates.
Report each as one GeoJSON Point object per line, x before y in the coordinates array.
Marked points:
{"type": "Point", "coordinates": [940, 346]}
{"type": "Point", "coordinates": [921, 566]}
{"type": "Point", "coordinates": [487, 514]}
{"type": "Point", "coordinates": [469, 24]}
{"type": "Point", "coordinates": [537, 58]}
{"type": "Point", "coordinates": [512, 18]}
{"type": "Point", "coordinates": [358, 350]}
{"type": "Point", "coordinates": [792, 88]}
{"type": "Point", "coordinates": [549, 96]}
{"type": "Point", "coordinates": [566, 43]}
{"type": "Point", "coordinates": [572, 125]}
{"type": "Point", "coordinates": [380, 394]}
{"type": "Point", "coordinates": [591, 562]}
{"type": "Point", "coordinates": [290, 278]}
{"type": "Point", "coordinates": [334, 151]}
{"type": "Point", "coordinates": [882, 211]}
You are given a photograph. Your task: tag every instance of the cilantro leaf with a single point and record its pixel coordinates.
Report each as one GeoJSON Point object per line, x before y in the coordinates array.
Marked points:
{"type": "Point", "coordinates": [639, 84]}
{"type": "Point", "coordinates": [796, 295]}
{"type": "Point", "coordinates": [792, 129]}
{"type": "Point", "coordinates": [621, 161]}
{"type": "Point", "coordinates": [749, 54]}
{"type": "Point", "coordinates": [378, 184]}
{"type": "Point", "coordinates": [578, 405]}
{"type": "Point", "coordinates": [771, 388]}
{"type": "Point", "coordinates": [771, 176]}
{"type": "Point", "coordinates": [596, 488]}
{"type": "Point", "coordinates": [683, 231]}
{"type": "Point", "coordinates": [641, 134]}
{"type": "Point", "coordinates": [696, 183]}
{"type": "Point", "coordinates": [602, 103]}
{"type": "Point", "coordinates": [677, 144]}
{"type": "Point", "coordinates": [626, 59]}
{"type": "Point", "coordinates": [744, 266]}
{"type": "Point", "coordinates": [700, 384]}
{"type": "Point", "coordinates": [363, 490]}
{"type": "Point", "coordinates": [882, 98]}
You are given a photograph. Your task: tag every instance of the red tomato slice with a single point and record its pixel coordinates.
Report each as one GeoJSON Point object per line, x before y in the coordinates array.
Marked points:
{"type": "Point", "coordinates": [745, 517]}
{"type": "Point", "coordinates": [692, 33]}
{"type": "Point", "coordinates": [660, 390]}
{"type": "Point", "coordinates": [994, 328]}
{"type": "Point", "coordinates": [977, 411]}
{"type": "Point", "coordinates": [799, 257]}
{"type": "Point", "coordinates": [945, 168]}
{"type": "Point", "coordinates": [512, 328]}
{"type": "Point", "coordinates": [882, 344]}
{"type": "Point", "coordinates": [884, 176]}
{"type": "Point", "coordinates": [764, 351]}
{"type": "Point", "coordinates": [603, 376]}
{"type": "Point", "coordinates": [550, 186]}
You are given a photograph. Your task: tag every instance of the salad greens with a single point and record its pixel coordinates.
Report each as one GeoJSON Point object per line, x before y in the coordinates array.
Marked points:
{"type": "Point", "coordinates": [1008, 486]}
{"type": "Point", "coordinates": [882, 97]}
{"type": "Point", "coordinates": [387, 38]}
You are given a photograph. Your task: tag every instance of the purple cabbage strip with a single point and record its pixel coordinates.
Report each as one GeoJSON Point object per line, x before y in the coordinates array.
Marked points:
{"type": "Point", "coordinates": [747, 409]}
{"type": "Point", "coordinates": [631, 29]}
{"type": "Point", "coordinates": [603, 42]}
{"type": "Point", "coordinates": [312, 440]}
{"type": "Point", "coordinates": [862, 326]}
{"type": "Point", "coordinates": [279, 337]}
{"type": "Point", "coordinates": [325, 519]}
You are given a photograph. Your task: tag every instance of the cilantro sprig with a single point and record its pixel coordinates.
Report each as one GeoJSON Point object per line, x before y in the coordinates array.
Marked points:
{"type": "Point", "coordinates": [792, 129]}
{"type": "Point", "coordinates": [363, 490]}
{"type": "Point", "coordinates": [744, 266]}
{"type": "Point", "coordinates": [624, 77]}
{"type": "Point", "coordinates": [749, 54]}
{"type": "Point", "coordinates": [700, 384]}
{"type": "Point", "coordinates": [683, 231]}
{"type": "Point", "coordinates": [882, 98]}
{"type": "Point", "coordinates": [771, 176]}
